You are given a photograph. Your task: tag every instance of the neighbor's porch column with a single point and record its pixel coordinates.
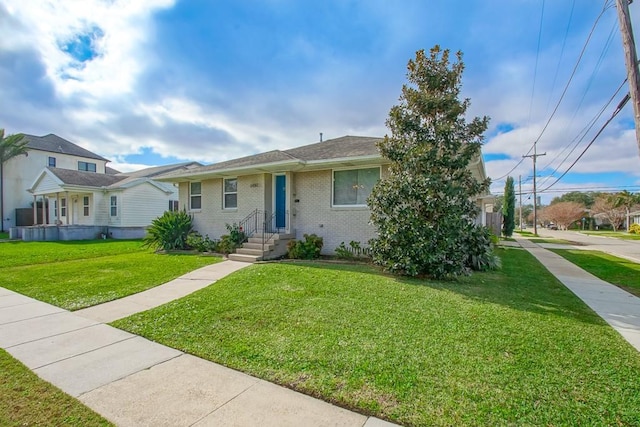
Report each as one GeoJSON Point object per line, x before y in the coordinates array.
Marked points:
{"type": "Point", "coordinates": [58, 220]}
{"type": "Point", "coordinates": [44, 211]}
{"type": "Point", "coordinates": [68, 205]}
{"type": "Point", "coordinates": [35, 210]}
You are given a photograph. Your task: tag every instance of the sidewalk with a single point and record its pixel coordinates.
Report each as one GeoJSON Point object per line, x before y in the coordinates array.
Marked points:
{"type": "Point", "coordinates": [135, 382]}
{"type": "Point", "coordinates": [617, 307]}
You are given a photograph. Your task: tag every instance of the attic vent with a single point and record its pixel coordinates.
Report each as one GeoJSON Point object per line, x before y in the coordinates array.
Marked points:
{"type": "Point", "coordinates": [60, 148]}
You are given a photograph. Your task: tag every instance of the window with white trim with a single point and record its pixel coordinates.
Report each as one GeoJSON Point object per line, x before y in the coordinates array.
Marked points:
{"type": "Point", "coordinates": [85, 205]}
{"type": "Point", "coordinates": [230, 193]}
{"type": "Point", "coordinates": [195, 193]}
{"type": "Point", "coordinates": [86, 166]}
{"type": "Point", "coordinates": [52, 162]}
{"type": "Point", "coordinates": [63, 207]}
{"type": "Point", "coordinates": [114, 206]}
{"type": "Point", "coordinates": [173, 205]}
{"type": "Point", "coordinates": [352, 187]}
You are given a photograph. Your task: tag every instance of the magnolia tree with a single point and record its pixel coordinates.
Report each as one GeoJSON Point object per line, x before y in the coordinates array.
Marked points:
{"type": "Point", "coordinates": [424, 209]}
{"type": "Point", "coordinates": [563, 214]}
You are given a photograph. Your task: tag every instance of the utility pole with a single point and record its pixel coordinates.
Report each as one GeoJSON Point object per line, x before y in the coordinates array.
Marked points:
{"type": "Point", "coordinates": [535, 156]}
{"type": "Point", "coordinates": [631, 60]}
{"type": "Point", "coordinates": [520, 193]}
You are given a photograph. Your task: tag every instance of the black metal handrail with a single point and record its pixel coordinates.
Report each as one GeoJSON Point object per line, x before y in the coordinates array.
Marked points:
{"type": "Point", "coordinates": [249, 225]}
{"type": "Point", "coordinates": [262, 221]}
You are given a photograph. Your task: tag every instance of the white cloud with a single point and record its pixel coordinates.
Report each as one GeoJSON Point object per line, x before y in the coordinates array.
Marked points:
{"type": "Point", "coordinates": [48, 25]}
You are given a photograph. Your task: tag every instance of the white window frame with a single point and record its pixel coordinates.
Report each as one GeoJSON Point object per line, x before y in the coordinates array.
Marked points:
{"type": "Point", "coordinates": [192, 195]}
{"type": "Point", "coordinates": [224, 194]}
{"type": "Point", "coordinates": [86, 167]}
{"type": "Point", "coordinates": [63, 207]}
{"type": "Point", "coordinates": [333, 184]}
{"type": "Point", "coordinates": [113, 206]}
{"type": "Point", "coordinates": [174, 205]}
{"type": "Point", "coordinates": [49, 161]}
{"type": "Point", "coordinates": [86, 204]}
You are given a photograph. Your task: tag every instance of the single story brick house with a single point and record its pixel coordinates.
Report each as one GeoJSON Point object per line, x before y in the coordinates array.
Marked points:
{"type": "Point", "coordinates": [319, 188]}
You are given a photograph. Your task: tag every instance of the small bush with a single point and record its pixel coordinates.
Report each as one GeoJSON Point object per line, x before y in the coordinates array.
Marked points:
{"type": "Point", "coordinates": [309, 248]}
{"type": "Point", "coordinates": [634, 229]}
{"type": "Point", "coordinates": [169, 231]}
{"type": "Point", "coordinates": [232, 241]}
{"type": "Point", "coordinates": [202, 244]}
{"type": "Point", "coordinates": [355, 250]}
{"type": "Point", "coordinates": [478, 242]}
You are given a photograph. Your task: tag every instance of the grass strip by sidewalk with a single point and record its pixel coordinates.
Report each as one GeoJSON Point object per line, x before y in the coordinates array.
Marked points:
{"type": "Point", "coordinates": [617, 234]}
{"type": "Point", "coordinates": [501, 348]}
{"type": "Point", "coordinates": [617, 271]}
{"type": "Point", "coordinates": [17, 253]}
{"type": "Point", "coordinates": [26, 400]}
{"type": "Point", "coordinates": [80, 283]}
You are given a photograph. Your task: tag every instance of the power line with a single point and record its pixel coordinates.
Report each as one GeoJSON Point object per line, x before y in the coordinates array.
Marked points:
{"type": "Point", "coordinates": [593, 27]}
{"type": "Point", "coordinates": [615, 113]}
{"type": "Point", "coordinates": [585, 130]}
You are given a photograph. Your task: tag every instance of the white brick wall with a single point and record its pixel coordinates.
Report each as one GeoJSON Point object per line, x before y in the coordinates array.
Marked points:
{"type": "Point", "coordinates": [314, 213]}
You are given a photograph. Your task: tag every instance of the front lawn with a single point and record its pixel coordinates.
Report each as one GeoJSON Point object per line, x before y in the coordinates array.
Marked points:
{"type": "Point", "coordinates": [617, 271]}
{"type": "Point", "coordinates": [513, 347]}
{"type": "Point", "coordinates": [29, 401]}
{"type": "Point", "coordinates": [82, 274]}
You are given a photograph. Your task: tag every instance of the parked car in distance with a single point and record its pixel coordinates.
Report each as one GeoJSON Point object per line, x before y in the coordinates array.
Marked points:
{"type": "Point", "coordinates": [552, 226]}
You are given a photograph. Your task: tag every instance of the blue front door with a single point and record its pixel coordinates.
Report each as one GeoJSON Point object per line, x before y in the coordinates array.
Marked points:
{"type": "Point", "coordinates": [281, 201]}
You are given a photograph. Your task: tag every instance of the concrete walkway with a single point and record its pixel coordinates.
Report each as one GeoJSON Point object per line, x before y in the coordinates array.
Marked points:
{"type": "Point", "coordinates": [135, 382]}
{"type": "Point", "coordinates": [618, 308]}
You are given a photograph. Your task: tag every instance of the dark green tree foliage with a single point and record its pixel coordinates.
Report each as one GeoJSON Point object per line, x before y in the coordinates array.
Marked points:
{"type": "Point", "coordinates": [423, 209]}
{"type": "Point", "coordinates": [509, 208]}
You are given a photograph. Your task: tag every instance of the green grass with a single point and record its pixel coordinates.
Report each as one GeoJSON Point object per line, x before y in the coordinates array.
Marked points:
{"type": "Point", "coordinates": [555, 241]}
{"type": "Point", "coordinates": [618, 271]}
{"type": "Point", "coordinates": [524, 233]}
{"type": "Point", "coordinates": [26, 400]}
{"type": "Point", "coordinates": [4, 235]}
{"type": "Point", "coordinates": [616, 234]}
{"type": "Point", "coordinates": [513, 347]}
{"type": "Point", "coordinates": [17, 253]}
{"type": "Point", "coordinates": [78, 275]}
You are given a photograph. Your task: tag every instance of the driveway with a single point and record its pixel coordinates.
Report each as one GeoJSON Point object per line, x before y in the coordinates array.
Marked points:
{"type": "Point", "coordinates": [629, 249]}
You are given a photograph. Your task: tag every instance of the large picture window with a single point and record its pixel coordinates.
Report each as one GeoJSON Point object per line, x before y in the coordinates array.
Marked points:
{"type": "Point", "coordinates": [230, 196]}
{"type": "Point", "coordinates": [195, 193]}
{"type": "Point", "coordinates": [352, 187]}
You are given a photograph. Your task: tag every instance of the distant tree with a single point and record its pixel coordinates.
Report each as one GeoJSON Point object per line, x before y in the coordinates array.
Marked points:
{"type": "Point", "coordinates": [509, 208]}
{"type": "Point", "coordinates": [606, 207]}
{"type": "Point", "coordinates": [563, 214]}
{"type": "Point", "coordinates": [626, 200]}
{"type": "Point", "coordinates": [10, 147]}
{"type": "Point", "coordinates": [527, 210]}
{"type": "Point", "coordinates": [424, 208]}
{"type": "Point", "coordinates": [498, 203]}
{"type": "Point", "coordinates": [585, 198]}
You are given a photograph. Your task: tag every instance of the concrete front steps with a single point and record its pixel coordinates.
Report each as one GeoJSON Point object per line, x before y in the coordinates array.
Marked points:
{"type": "Point", "coordinates": [251, 251]}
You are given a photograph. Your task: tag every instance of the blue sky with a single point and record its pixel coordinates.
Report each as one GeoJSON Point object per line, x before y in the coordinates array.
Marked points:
{"type": "Point", "coordinates": [154, 82]}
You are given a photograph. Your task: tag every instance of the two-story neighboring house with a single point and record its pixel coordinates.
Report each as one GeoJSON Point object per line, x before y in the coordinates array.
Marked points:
{"type": "Point", "coordinates": [63, 192]}
{"type": "Point", "coordinates": [43, 151]}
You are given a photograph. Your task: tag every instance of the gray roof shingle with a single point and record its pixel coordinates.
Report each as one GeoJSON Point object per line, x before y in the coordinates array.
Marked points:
{"type": "Point", "coordinates": [55, 144]}
{"type": "Point", "coordinates": [86, 179]}
{"type": "Point", "coordinates": [338, 148]}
